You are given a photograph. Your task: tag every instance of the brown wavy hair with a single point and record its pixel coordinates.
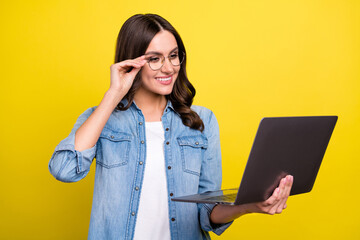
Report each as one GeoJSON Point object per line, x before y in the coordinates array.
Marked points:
{"type": "Point", "coordinates": [133, 40]}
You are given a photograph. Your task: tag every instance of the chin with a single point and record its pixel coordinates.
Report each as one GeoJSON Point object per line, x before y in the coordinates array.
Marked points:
{"type": "Point", "coordinates": [165, 92]}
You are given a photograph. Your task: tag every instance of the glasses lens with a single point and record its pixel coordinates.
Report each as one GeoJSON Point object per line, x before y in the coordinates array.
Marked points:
{"type": "Point", "coordinates": [176, 58]}
{"type": "Point", "coordinates": [156, 62]}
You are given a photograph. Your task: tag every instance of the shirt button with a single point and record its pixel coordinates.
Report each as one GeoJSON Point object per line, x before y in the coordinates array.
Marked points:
{"type": "Point", "coordinates": [140, 123]}
{"type": "Point", "coordinates": [133, 214]}
{"type": "Point", "coordinates": [141, 163]}
{"type": "Point", "coordinates": [167, 143]}
{"type": "Point", "coordinates": [142, 141]}
{"type": "Point", "coordinates": [173, 219]}
{"type": "Point", "coordinates": [111, 136]}
{"type": "Point", "coordinates": [167, 129]}
{"type": "Point", "coordinates": [136, 188]}
{"type": "Point", "coordinates": [169, 167]}
{"type": "Point", "coordinates": [197, 143]}
{"type": "Point", "coordinates": [171, 194]}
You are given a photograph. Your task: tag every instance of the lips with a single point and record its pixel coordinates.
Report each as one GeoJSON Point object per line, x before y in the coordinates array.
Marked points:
{"type": "Point", "coordinates": [165, 80]}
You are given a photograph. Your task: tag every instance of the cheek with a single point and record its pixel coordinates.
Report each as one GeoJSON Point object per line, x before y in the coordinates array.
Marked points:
{"type": "Point", "coordinates": [177, 70]}
{"type": "Point", "coordinates": [146, 73]}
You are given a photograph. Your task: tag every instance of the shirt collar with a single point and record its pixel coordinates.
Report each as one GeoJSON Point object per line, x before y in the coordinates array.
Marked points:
{"type": "Point", "coordinates": [169, 105]}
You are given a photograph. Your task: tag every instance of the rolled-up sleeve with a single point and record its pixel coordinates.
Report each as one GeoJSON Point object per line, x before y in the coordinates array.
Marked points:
{"type": "Point", "coordinates": [206, 224]}
{"type": "Point", "coordinates": [211, 176]}
{"type": "Point", "coordinates": [67, 164]}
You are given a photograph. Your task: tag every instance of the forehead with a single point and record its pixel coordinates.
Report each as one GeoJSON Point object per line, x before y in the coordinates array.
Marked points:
{"type": "Point", "coordinates": [163, 42]}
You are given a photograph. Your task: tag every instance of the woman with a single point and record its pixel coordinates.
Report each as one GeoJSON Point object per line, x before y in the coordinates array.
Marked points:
{"type": "Point", "coordinates": [150, 145]}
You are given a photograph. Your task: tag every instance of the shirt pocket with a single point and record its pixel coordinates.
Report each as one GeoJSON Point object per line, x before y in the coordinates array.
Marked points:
{"type": "Point", "coordinates": [113, 148]}
{"type": "Point", "coordinates": [192, 152]}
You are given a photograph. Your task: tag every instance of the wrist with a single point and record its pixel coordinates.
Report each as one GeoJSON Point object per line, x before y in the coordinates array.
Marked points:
{"type": "Point", "coordinates": [242, 209]}
{"type": "Point", "coordinates": [227, 213]}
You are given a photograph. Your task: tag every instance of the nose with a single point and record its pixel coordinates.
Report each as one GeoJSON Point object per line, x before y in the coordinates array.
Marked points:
{"type": "Point", "coordinates": [167, 66]}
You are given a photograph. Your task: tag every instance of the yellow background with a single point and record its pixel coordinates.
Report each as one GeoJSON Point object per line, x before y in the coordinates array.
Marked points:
{"type": "Point", "coordinates": [247, 60]}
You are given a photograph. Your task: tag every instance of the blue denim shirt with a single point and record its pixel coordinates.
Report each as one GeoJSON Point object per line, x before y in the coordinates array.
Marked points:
{"type": "Point", "coordinates": [193, 165]}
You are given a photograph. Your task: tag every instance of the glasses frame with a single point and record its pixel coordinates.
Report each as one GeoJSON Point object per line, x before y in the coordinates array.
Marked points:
{"type": "Point", "coordinates": [168, 57]}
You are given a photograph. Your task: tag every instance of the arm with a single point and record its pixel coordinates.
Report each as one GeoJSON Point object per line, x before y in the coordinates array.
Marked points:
{"type": "Point", "coordinates": [121, 80]}
{"type": "Point", "coordinates": [211, 175]}
{"type": "Point", "coordinates": [274, 204]}
{"type": "Point", "coordinates": [73, 156]}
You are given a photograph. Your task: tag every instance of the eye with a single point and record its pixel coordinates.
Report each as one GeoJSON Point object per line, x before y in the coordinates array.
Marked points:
{"type": "Point", "coordinates": [174, 55]}
{"type": "Point", "coordinates": [154, 59]}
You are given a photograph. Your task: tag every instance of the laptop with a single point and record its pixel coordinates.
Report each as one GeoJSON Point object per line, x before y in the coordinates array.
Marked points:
{"type": "Point", "coordinates": [282, 146]}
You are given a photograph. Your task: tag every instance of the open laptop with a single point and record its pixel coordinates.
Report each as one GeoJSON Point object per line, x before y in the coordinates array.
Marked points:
{"type": "Point", "coordinates": [282, 146]}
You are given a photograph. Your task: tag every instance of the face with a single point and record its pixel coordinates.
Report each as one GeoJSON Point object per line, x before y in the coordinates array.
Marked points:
{"type": "Point", "coordinates": [161, 81]}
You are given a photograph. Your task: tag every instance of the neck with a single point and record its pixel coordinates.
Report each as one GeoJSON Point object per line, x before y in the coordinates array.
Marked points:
{"type": "Point", "coordinates": [152, 105]}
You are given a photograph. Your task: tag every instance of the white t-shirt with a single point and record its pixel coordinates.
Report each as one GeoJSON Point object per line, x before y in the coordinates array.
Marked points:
{"type": "Point", "coordinates": [152, 220]}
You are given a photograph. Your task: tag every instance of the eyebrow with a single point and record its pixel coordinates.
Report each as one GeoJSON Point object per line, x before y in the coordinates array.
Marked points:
{"type": "Point", "coordinates": [159, 53]}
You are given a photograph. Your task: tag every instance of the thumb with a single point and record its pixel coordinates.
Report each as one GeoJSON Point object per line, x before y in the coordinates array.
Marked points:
{"type": "Point", "coordinates": [133, 72]}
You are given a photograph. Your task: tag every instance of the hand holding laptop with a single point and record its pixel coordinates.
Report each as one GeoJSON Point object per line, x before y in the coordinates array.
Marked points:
{"type": "Point", "coordinates": [276, 203]}
{"type": "Point", "coordinates": [283, 146]}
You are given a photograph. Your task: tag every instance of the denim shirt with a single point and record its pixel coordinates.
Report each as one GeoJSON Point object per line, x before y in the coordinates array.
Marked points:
{"type": "Point", "coordinates": [193, 165]}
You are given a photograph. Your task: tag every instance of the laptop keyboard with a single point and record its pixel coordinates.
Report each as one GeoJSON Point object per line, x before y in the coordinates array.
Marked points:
{"type": "Point", "coordinates": [224, 198]}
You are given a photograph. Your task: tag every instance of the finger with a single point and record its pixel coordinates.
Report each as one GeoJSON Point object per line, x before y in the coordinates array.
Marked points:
{"type": "Point", "coordinates": [276, 207]}
{"type": "Point", "coordinates": [268, 205]}
{"type": "Point", "coordinates": [283, 196]}
{"type": "Point", "coordinates": [121, 66]}
{"type": "Point", "coordinates": [130, 63]}
{"type": "Point", "coordinates": [273, 207]}
{"type": "Point", "coordinates": [140, 58]}
{"type": "Point", "coordinates": [263, 207]}
{"type": "Point", "coordinates": [289, 183]}
{"type": "Point", "coordinates": [272, 199]}
{"type": "Point", "coordinates": [282, 187]}
{"type": "Point", "coordinates": [125, 67]}
{"type": "Point", "coordinates": [273, 202]}
{"type": "Point", "coordinates": [287, 190]}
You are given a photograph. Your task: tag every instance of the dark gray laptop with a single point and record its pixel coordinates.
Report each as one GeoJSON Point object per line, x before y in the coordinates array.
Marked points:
{"type": "Point", "coordinates": [282, 146]}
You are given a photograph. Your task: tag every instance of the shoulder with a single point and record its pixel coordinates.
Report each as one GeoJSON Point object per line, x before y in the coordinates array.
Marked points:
{"type": "Point", "coordinates": [113, 114]}
{"type": "Point", "coordinates": [115, 118]}
{"type": "Point", "coordinates": [204, 113]}
{"type": "Point", "coordinates": [211, 130]}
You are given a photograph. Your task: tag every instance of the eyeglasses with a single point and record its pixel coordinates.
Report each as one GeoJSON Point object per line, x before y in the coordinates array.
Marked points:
{"type": "Point", "coordinates": [156, 61]}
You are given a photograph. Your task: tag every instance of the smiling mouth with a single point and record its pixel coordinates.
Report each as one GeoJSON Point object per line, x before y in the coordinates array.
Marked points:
{"type": "Point", "coordinates": [163, 79]}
